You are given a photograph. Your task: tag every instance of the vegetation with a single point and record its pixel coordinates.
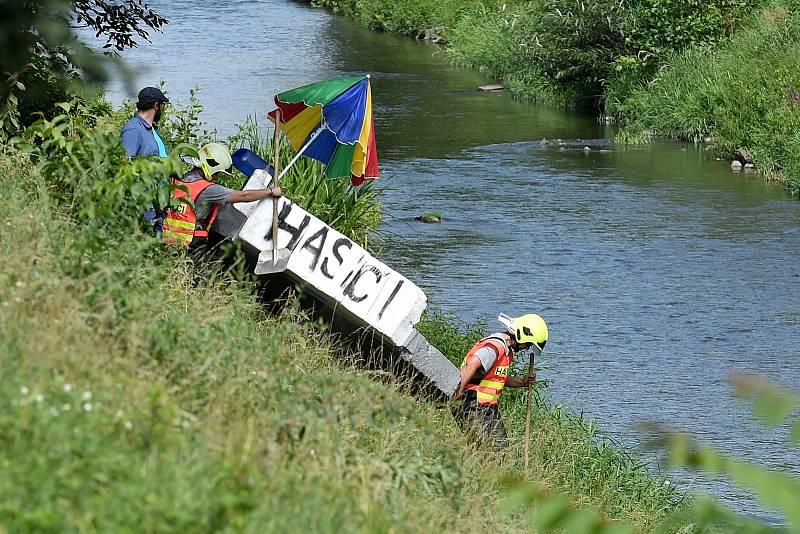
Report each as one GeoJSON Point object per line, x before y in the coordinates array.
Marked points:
{"type": "Point", "coordinates": [144, 391]}
{"type": "Point", "coordinates": [42, 59]}
{"type": "Point", "coordinates": [692, 70]}
{"type": "Point", "coordinates": [740, 94]}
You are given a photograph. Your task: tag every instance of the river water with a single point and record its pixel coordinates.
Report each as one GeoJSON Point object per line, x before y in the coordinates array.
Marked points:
{"type": "Point", "coordinates": [658, 270]}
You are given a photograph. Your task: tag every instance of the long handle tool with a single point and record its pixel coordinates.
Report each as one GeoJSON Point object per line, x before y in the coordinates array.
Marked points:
{"type": "Point", "coordinates": [279, 257]}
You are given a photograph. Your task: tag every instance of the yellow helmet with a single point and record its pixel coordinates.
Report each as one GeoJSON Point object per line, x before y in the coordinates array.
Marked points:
{"type": "Point", "coordinates": [214, 158]}
{"type": "Point", "coordinates": [529, 328]}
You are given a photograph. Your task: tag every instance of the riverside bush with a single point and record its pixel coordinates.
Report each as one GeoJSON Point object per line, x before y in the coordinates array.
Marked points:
{"type": "Point", "coordinates": [569, 52]}
{"type": "Point", "coordinates": [737, 93]}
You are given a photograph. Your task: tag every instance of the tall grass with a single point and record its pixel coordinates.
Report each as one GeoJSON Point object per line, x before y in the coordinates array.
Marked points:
{"type": "Point", "coordinates": [354, 211]}
{"type": "Point", "coordinates": [142, 394]}
{"type": "Point", "coordinates": [738, 93]}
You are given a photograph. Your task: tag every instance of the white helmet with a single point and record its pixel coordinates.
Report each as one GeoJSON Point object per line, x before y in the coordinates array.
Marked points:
{"type": "Point", "coordinates": [214, 158]}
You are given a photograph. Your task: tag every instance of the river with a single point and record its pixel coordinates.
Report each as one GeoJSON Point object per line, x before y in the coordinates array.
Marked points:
{"type": "Point", "coordinates": [658, 270]}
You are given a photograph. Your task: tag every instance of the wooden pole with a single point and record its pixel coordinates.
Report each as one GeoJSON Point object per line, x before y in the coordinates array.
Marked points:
{"type": "Point", "coordinates": [276, 166]}
{"type": "Point", "coordinates": [528, 414]}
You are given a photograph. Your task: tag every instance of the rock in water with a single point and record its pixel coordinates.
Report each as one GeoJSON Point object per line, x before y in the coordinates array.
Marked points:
{"type": "Point", "coordinates": [491, 87]}
{"type": "Point", "coordinates": [430, 218]}
{"type": "Point", "coordinates": [749, 167]}
{"type": "Point", "coordinates": [743, 156]}
{"type": "Point", "coordinates": [736, 165]}
{"type": "Point", "coordinates": [434, 35]}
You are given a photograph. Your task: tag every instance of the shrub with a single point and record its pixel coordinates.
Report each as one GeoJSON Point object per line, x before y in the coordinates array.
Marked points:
{"type": "Point", "coordinates": [737, 93]}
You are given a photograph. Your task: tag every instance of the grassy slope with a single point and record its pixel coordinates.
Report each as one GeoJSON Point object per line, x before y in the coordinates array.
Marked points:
{"type": "Point", "coordinates": [737, 93]}
{"type": "Point", "coordinates": [133, 399]}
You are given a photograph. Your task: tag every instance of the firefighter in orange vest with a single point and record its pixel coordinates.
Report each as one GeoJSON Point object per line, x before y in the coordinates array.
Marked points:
{"type": "Point", "coordinates": [485, 372]}
{"type": "Point", "coordinates": [188, 224]}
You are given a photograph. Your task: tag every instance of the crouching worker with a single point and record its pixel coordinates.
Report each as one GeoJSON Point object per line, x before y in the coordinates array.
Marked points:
{"type": "Point", "coordinates": [485, 373]}
{"type": "Point", "coordinates": [188, 223]}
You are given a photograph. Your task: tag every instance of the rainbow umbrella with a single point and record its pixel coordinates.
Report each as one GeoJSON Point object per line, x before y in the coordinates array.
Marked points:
{"type": "Point", "coordinates": [331, 122]}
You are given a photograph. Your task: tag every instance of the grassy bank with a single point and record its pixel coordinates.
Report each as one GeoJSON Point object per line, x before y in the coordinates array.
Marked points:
{"type": "Point", "coordinates": [739, 94]}
{"type": "Point", "coordinates": [720, 70]}
{"type": "Point", "coordinates": [142, 391]}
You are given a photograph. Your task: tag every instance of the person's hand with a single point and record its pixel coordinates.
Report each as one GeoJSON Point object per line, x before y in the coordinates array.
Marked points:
{"type": "Point", "coordinates": [529, 380]}
{"type": "Point", "coordinates": [276, 192]}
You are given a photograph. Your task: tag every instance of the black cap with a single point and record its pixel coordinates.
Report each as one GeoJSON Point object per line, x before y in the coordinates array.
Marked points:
{"type": "Point", "coordinates": [151, 95]}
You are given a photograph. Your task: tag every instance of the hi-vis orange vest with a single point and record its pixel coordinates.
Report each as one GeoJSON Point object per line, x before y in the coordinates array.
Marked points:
{"type": "Point", "coordinates": [491, 385]}
{"type": "Point", "coordinates": [180, 224]}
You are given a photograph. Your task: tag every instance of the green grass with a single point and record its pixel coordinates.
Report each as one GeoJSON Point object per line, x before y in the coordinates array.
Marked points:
{"type": "Point", "coordinates": [142, 391]}
{"type": "Point", "coordinates": [738, 94]}
{"type": "Point", "coordinates": [204, 413]}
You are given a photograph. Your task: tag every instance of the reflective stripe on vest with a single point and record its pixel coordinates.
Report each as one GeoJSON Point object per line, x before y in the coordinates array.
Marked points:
{"type": "Point", "coordinates": [180, 224]}
{"type": "Point", "coordinates": [491, 386]}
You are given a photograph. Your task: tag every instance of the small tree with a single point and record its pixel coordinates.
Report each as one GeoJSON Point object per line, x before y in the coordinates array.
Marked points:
{"type": "Point", "coordinates": [41, 53]}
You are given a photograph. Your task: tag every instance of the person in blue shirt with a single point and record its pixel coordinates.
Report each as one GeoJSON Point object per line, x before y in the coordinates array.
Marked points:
{"type": "Point", "coordinates": [140, 137]}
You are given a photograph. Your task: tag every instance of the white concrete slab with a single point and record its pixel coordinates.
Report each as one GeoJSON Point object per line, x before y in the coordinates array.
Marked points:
{"type": "Point", "coordinates": [337, 268]}
{"type": "Point", "coordinates": [348, 278]}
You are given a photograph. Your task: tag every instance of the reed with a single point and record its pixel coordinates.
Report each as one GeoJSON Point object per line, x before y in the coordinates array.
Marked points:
{"type": "Point", "coordinates": [353, 211]}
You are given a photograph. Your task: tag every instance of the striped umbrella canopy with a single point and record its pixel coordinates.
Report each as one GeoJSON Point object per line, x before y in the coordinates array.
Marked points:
{"type": "Point", "coordinates": [331, 122]}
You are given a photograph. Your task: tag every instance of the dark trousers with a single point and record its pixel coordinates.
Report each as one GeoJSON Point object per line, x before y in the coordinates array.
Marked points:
{"type": "Point", "coordinates": [483, 421]}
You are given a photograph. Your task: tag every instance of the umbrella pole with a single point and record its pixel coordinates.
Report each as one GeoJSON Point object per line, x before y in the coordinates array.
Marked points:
{"type": "Point", "coordinates": [275, 183]}
{"type": "Point", "coordinates": [300, 152]}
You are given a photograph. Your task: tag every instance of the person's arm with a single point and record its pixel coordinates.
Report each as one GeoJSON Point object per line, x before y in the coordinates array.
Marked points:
{"type": "Point", "coordinates": [521, 381]}
{"type": "Point", "coordinates": [254, 194]}
{"type": "Point", "coordinates": [130, 140]}
{"type": "Point", "coordinates": [467, 372]}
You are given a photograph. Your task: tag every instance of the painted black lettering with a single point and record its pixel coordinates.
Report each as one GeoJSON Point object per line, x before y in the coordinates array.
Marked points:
{"type": "Point", "coordinates": [349, 291]}
{"type": "Point", "coordinates": [347, 278]}
{"type": "Point", "coordinates": [391, 298]}
{"type": "Point", "coordinates": [320, 235]}
{"type": "Point", "coordinates": [296, 233]}
{"type": "Point", "coordinates": [339, 243]}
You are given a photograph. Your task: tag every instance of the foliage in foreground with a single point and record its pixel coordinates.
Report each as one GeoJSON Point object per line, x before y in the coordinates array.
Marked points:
{"type": "Point", "coordinates": [42, 54]}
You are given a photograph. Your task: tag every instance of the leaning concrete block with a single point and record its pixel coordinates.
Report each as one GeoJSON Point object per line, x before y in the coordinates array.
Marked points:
{"type": "Point", "coordinates": [259, 180]}
{"type": "Point", "coordinates": [432, 364]}
{"type": "Point", "coordinates": [347, 279]}
{"type": "Point", "coordinates": [257, 231]}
